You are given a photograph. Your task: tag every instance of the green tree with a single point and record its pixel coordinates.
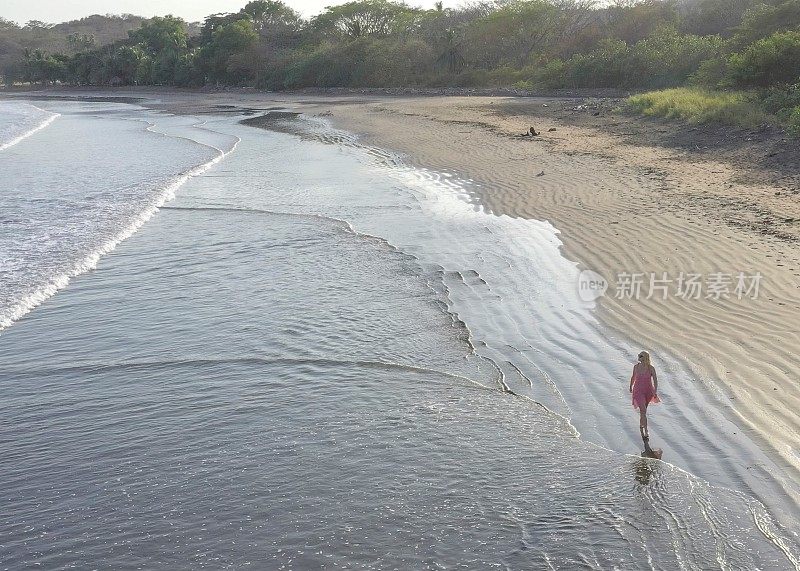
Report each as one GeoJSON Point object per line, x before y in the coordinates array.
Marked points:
{"type": "Point", "coordinates": [215, 21]}
{"type": "Point", "coordinates": [44, 68]}
{"type": "Point", "coordinates": [80, 42]}
{"type": "Point", "coordinates": [513, 33]}
{"type": "Point", "coordinates": [164, 40]}
{"type": "Point", "coordinates": [665, 59]}
{"type": "Point", "coordinates": [125, 64]}
{"type": "Point", "coordinates": [38, 25]}
{"type": "Point", "coordinates": [668, 58]}
{"type": "Point", "coordinates": [230, 57]}
{"type": "Point", "coordinates": [444, 30]}
{"type": "Point", "coordinates": [188, 72]}
{"type": "Point", "coordinates": [358, 19]}
{"type": "Point", "coordinates": [269, 15]}
{"type": "Point", "coordinates": [449, 50]}
{"type": "Point", "coordinates": [161, 34]}
{"type": "Point", "coordinates": [630, 43]}
{"type": "Point", "coordinates": [7, 24]}
{"type": "Point", "coordinates": [635, 21]}
{"type": "Point", "coordinates": [713, 17]}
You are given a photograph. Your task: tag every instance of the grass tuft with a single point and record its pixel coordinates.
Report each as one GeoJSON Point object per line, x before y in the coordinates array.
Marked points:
{"type": "Point", "coordinates": [701, 106]}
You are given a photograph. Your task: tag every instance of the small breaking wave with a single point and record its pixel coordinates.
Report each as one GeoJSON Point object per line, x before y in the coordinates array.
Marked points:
{"type": "Point", "coordinates": [16, 133]}
{"type": "Point", "coordinates": [90, 261]}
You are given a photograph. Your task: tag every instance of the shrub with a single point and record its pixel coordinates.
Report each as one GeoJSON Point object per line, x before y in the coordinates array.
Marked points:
{"type": "Point", "coordinates": [365, 62]}
{"type": "Point", "coordinates": [770, 61]}
{"type": "Point", "coordinates": [549, 75]}
{"type": "Point", "coordinates": [603, 67]}
{"type": "Point", "coordinates": [319, 67]}
{"type": "Point", "coordinates": [782, 101]}
{"type": "Point", "coordinates": [391, 63]}
{"type": "Point", "coordinates": [668, 58]}
{"type": "Point", "coordinates": [505, 75]}
{"type": "Point", "coordinates": [712, 73]}
{"type": "Point", "coordinates": [793, 123]}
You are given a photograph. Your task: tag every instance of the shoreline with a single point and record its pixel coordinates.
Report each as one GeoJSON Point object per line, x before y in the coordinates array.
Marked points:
{"type": "Point", "coordinates": [641, 225]}
{"type": "Point", "coordinates": [654, 173]}
{"type": "Point", "coordinates": [643, 203]}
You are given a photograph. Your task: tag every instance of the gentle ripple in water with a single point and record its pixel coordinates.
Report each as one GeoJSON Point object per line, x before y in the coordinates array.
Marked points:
{"type": "Point", "coordinates": [236, 387]}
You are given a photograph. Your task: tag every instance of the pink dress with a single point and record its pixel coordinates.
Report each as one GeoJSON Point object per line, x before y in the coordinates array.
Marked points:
{"type": "Point", "coordinates": [643, 391]}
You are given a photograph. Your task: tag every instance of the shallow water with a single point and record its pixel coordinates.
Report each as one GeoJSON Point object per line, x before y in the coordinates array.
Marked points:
{"type": "Point", "coordinates": [303, 361]}
{"type": "Point", "coordinates": [64, 204]}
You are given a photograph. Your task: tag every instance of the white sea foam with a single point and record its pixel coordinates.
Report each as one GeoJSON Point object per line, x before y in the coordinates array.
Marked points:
{"type": "Point", "coordinates": [19, 120]}
{"type": "Point", "coordinates": [28, 302]}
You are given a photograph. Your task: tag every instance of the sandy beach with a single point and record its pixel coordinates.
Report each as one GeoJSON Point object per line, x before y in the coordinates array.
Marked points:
{"type": "Point", "coordinates": [478, 272]}
{"type": "Point", "coordinates": [635, 209]}
{"type": "Point", "coordinates": [625, 205]}
{"type": "Point", "coordinates": [622, 208]}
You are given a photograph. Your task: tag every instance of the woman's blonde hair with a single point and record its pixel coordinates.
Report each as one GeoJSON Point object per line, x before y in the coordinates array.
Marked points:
{"type": "Point", "coordinates": [644, 357]}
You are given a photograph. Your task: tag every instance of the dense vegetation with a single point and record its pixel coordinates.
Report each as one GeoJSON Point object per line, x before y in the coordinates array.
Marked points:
{"type": "Point", "coordinates": [67, 38]}
{"type": "Point", "coordinates": [749, 45]}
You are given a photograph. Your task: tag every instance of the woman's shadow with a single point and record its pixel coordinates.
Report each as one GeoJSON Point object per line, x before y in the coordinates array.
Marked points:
{"type": "Point", "coordinates": [644, 469]}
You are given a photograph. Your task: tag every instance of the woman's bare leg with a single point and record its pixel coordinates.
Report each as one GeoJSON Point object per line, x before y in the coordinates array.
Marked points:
{"type": "Point", "coordinates": [643, 422]}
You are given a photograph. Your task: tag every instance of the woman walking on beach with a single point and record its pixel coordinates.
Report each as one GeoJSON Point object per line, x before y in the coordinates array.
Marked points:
{"type": "Point", "coordinates": [644, 389]}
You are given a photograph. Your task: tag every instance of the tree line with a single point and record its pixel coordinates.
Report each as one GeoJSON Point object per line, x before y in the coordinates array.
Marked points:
{"type": "Point", "coordinates": [533, 44]}
{"type": "Point", "coordinates": [66, 38]}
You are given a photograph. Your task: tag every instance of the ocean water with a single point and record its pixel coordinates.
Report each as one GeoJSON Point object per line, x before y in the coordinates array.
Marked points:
{"type": "Point", "coordinates": [225, 346]}
{"type": "Point", "coordinates": [78, 188]}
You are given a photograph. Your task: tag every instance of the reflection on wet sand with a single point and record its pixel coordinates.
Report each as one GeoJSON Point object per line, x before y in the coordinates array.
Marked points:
{"type": "Point", "coordinates": [644, 469]}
